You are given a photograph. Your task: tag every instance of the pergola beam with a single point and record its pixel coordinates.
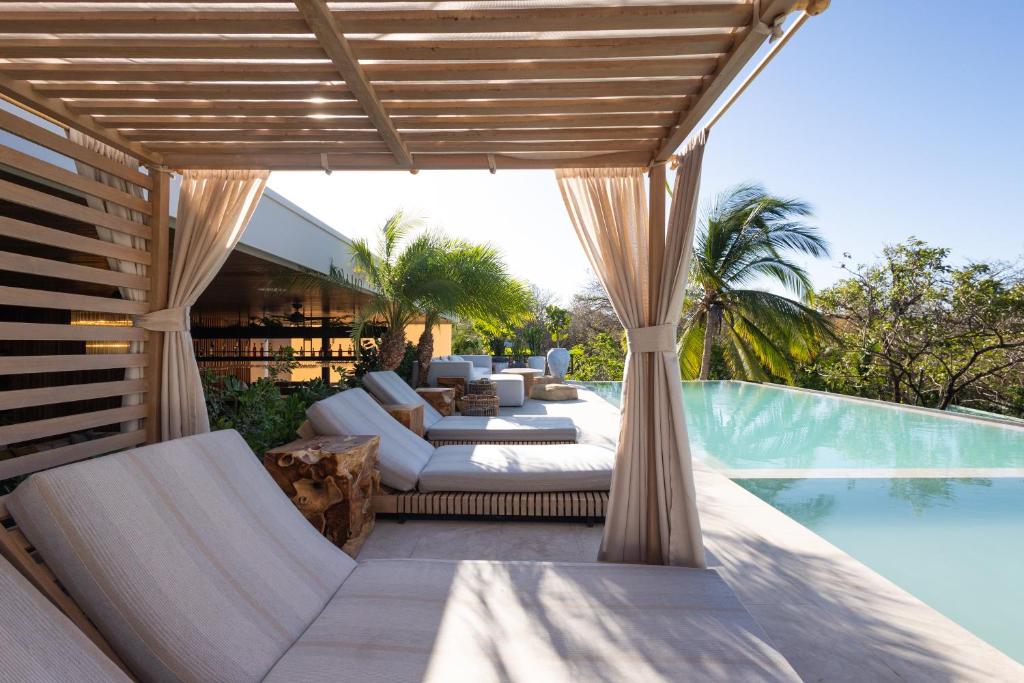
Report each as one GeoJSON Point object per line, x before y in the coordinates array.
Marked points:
{"type": "Point", "coordinates": [305, 161]}
{"type": "Point", "coordinates": [324, 26]}
{"type": "Point", "coordinates": [22, 93]}
{"type": "Point", "coordinates": [734, 63]}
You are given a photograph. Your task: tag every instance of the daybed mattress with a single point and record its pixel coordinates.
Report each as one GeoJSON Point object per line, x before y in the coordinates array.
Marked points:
{"type": "Point", "coordinates": [518, 468]}
{"type": "Point", "coordinates": [481, 429]}
{"type": "Point", "coordinates": [524, 622]}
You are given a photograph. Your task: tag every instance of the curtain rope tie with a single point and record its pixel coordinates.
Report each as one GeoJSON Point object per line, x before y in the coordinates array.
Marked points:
{"type": "Point", "coordinates": [654, 339]}
{"type": "Point", "coordinates": [175, 319]}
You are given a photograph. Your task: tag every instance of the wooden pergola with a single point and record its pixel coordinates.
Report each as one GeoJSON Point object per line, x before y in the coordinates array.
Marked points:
{"type": "Point", "coordinates": [385, 84]}
{"type": "Point", "coordinates": [220, 85]}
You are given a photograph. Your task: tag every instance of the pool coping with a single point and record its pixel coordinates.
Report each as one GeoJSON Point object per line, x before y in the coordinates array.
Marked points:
{"type": "Point", "coordinates": [874, 473]}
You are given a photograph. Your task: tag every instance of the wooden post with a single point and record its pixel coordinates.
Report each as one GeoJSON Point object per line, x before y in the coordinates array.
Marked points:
{"type": "Point", "coordinates": [656, 238]}
{"type": "Point", "coordinates": [655, 260]}
{"type": "Point", "coordinates": [159, 273]}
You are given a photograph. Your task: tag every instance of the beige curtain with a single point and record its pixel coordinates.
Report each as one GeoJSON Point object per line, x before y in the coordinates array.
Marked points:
{"type": "Point", "coordinates": [108, 235]}
{"type": "Point", "coordinates": [652, 515]}
{"type": "Point", "coordinates": [214, 208]}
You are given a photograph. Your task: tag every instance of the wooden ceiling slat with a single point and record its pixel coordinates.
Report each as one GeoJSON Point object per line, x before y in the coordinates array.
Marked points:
{"type": "Point", "coordinates": [392, 91]}
{"type": "Point", "coordinates": [672, 67]}
{"type": "Point", "coordinates": [237, 47]}
{"type": "Point", "coordinates": [258, 20]}
{"type": "Point", "coordinates": [484, 135]}
{"type": "Point", "coordinates": [521, 121]}
{"type": "Point", "coordinates": [408, 107]}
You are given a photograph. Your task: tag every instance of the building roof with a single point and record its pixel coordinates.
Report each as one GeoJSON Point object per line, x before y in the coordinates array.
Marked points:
{"type": "Point", "coordinates": [384, 84]}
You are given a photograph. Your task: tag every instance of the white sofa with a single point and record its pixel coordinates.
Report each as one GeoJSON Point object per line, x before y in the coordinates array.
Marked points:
{"type": "Point", "coordinates": [467, 367]}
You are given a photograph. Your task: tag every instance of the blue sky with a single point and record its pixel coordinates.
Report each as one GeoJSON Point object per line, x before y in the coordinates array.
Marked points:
{"type": "Point", "coordinates": [892, 118]}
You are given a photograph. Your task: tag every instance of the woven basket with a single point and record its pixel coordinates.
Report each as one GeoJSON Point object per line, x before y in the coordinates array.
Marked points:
{"type": "Point", "coordinates": [478, 405]}
{"type": "Point", "coordinates": [481, 387]}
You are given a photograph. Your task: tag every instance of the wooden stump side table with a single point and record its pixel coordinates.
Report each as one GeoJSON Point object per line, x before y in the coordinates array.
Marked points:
{"type": "Point", "coordinates": [409, 414]}
{"type": "Point", "coordinates": [441, 399]}
{"type": "Point", "coordinates": [332, 481]}
{"type": "Point", "coordinates": [456, 383]}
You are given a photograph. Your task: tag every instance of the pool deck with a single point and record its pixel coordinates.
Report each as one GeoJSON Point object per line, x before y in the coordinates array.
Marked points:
{"type": "Point", "coordinates": [831, 616]}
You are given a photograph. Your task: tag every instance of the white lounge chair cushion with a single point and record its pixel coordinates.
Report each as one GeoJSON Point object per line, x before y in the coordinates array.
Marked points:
{"type": "Point", "coordinates": [185, 554]}
{"type": "Point", "coordinates": [354, 412]}
{"type": "Point", "coordinates": [388, 387]}
{"type": "Point", "coordinates": [40, 644]}
{"type": "Point", "coordinates": [533, 469]}
{"type": "Point", "coordinates": [520, 428]}
{"type": "Point", "coordinates": [527, 622]}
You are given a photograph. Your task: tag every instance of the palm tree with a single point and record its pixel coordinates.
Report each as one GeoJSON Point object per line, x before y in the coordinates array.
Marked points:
{"type": "Point", "coordinates": [395, 277]}
{"type": "Point", "coordinates": [480, 288]}
{"type": "Point", "coordinates": [745, 237]}
{"type": "Point", "coordinates": [428, 275]}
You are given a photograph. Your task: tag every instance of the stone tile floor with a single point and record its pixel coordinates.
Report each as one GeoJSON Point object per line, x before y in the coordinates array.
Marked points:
{"type": "Point", "coordinates": [832, 617]}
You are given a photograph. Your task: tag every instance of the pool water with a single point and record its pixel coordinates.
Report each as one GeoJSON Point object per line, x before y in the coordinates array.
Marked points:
{"type": "Point", "coordinates": [933, 502]}
{"type": "Point", "coordinates": [738, 425]}
{"type": "Point", "coordinates": [957, 544]}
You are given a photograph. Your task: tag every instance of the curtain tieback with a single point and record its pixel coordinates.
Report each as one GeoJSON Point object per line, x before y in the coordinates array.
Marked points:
{"type": "Point", "coordinates": [166, 320]}
{"type": "Point", "coordinates": [654, 339]}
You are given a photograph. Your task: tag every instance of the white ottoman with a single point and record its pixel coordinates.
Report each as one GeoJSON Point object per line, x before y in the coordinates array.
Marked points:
{"type": "Point", "coordinates": [511, 392]}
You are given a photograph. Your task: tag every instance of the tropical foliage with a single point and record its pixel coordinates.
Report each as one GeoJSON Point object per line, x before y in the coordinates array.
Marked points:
{"type": "Point", "coordinates": [478, 287]}
{"type": "Point", "coordinates": [915, 329]}
{"type": "Point", "coordinates": [749, 236]}
{"type": "Point", "coordinates": [427, 276]}
{"type": "Point", "coordinates": [602, 358]}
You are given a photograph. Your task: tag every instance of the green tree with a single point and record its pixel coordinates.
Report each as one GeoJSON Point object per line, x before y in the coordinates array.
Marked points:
{"type": "Point", "coordinates": [600, 359]}
{"type": "Point", "coordinates": [558, 321]}
{"type": "Point", "coordinates": [914, 329]}
{"type": "Point", "coordinates": [748, 235]}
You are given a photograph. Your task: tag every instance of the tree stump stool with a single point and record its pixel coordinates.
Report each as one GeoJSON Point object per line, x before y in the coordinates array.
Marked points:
{"type": "Point", "coordinates": [441, 399]}
{"type": "Point", "coordinates": [456, 383]}
{"type": "Point", "coordinates": [409, 414]}
{"type": "Point", "coordinates": [332, 481]}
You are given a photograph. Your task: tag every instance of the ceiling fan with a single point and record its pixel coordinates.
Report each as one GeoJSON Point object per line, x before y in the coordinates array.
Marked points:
{"type": "Point", "coordinates": [297, 316]}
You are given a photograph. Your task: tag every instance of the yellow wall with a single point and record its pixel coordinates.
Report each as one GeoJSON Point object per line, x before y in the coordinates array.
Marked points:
{"type": "Point", "coordinates": [442, 337]}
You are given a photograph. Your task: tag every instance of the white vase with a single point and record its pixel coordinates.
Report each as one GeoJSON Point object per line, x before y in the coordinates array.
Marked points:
{"type": "Point", "coordinates": [558, 362]}
{"type": "Point", "coordinates": [536, 362]}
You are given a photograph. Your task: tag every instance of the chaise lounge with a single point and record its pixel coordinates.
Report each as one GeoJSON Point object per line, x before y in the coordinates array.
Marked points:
{"type": "Point", "coordinates": [522, 480]}
{"type": "Point", "coordinates": [388, 387]}
{"type": "Point", "coordinates": [194, 566]}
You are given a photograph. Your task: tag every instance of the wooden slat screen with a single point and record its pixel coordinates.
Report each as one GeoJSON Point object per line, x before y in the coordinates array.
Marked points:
{"type": "Point", "coordinates": [65, 329]}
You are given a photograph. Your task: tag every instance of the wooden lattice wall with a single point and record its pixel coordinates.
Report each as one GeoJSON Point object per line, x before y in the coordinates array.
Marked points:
{"type": "Point", "coordinates": [66, 333]}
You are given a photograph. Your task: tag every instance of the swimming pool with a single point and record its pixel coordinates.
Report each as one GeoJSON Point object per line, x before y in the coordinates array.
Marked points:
{"type": "Point", "coordinates": [957, 544]}
{"type": "Point", "coordinates": [772, 430]}
{"type": "Point", "coordinates": [935, 503]}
